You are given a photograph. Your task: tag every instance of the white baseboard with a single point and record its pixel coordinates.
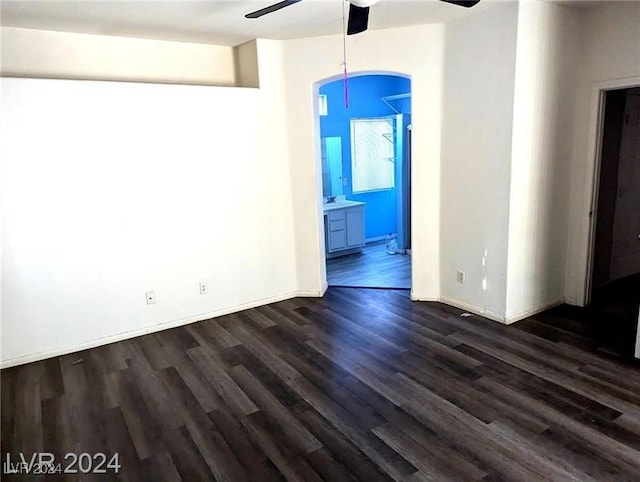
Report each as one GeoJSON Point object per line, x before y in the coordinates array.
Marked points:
{"type": "Point", "coordinates": [474, 309]}
{"type": "Point", "coordinates": [375, 240]}
{"type": "Point", "coordinates": [533, 311]}
{"type": "Point", "coordinates": [418, 297]}
{"type": "Point", "coordinates": [264, 301]}
{"type": "Point", "coordinates": [125, 335]}
{"type": "Point", "coordinates": [571, 300]}
{"type": "Point", "coordinates": [313, 293]}
{"type": "Point", "coordinates": [506, 320]}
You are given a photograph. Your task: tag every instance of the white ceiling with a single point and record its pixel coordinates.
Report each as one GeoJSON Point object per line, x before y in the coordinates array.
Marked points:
{"type": "Point", "coordinates": [216, 22]}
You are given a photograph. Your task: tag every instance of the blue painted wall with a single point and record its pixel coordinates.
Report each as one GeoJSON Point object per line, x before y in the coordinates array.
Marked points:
{"type": "Point", "coordinates": [365, 94]}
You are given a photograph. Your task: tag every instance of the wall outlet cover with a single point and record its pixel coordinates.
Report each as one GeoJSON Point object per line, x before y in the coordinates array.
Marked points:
{"type": "Point", "coordinates": [151, 297]}
{"type": "Point", "coordinates": [204, 287]}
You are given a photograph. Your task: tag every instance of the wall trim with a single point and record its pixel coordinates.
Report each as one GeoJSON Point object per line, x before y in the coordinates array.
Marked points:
{"type": "Point", "coordinates": [375, 239]}
{"type": "Point", "coordinates": [534, 311]}
{"type": "Point", "coordinates": [125, 335]}
{"type": "Point", "coordinates": [313, 293]}
{"type": "Point", "coordinates": [21, 360]}
{"type": "Point", "coordinates": [474, 309]}
{"type": "Point", "coordinates": [505, 320]}
{"type": "Point", "coordinates": [417, 297]}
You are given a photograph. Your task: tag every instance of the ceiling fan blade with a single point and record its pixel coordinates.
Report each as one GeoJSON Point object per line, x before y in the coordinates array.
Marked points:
{"type": "Point", "coordinates": [271, 8]}
{"type": "Point", "coordinates": [463, 3]}
{"type": "Point", "coordinates": [358, 19]}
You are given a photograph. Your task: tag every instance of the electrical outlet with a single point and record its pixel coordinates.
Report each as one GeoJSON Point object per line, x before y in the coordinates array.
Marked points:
{"type": "Point", "coordinates": [204, 287]}
{"type": "Point", "coordinates": [460, 276]}
{"type": "Point", "coordinates": [151, 297]}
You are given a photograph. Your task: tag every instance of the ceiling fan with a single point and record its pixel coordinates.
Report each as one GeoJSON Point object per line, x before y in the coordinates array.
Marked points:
{"type": "Point", "coordinates": [358, 11]}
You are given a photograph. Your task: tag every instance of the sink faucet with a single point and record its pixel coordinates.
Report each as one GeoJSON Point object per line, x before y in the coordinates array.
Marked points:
{"type": "Point", "coordinates": [331, 199]}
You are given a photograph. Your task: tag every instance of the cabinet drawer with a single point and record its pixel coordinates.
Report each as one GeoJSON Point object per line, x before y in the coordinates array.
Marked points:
{"type": "Point", "coordinates": [337, 225]}
{"type": "Point", "coordinates": [337, 215]}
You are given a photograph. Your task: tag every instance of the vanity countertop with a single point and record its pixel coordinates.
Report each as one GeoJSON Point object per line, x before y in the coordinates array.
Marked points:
{"type": "Point", "coordinates": [341, 204]}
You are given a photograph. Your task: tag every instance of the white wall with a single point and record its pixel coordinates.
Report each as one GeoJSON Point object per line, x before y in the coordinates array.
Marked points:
{"type": "Point", "coordinates": [415, 51]}
{"type": "Point", "coordinates": [479, 73]}
{"type": "Point", "coordinates": [246, 64]}
{"type": "Point", "coordinates": [549, 58]}
{"type": "Point", "coordinates": [61, 55]}
{"type": "Point", "coordinates": [612, 57]}
{"type": "Point", "coordinates": [112, 189]}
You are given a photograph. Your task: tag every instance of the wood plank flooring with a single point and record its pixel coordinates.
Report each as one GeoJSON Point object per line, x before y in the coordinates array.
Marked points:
{"type": "Point", "coordinates": [616, 303]}
{"type": "Point", "coordinates": [372, 268]}
{"type": "Point", "coordinates": [359, 385]}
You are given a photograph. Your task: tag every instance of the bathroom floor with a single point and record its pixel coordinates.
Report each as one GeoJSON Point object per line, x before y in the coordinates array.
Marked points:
{"type": "Point", "coordinates": [372, 268]}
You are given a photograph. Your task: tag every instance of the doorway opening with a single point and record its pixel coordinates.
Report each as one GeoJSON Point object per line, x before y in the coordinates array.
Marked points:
{"type": "Point", "coordinates": [614, 282]}
{"type": "Point", "coordinates": [366, 180]}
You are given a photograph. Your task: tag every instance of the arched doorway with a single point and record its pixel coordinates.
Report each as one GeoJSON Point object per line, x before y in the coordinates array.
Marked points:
{"type": "Point", "coordinates": [365, 136]}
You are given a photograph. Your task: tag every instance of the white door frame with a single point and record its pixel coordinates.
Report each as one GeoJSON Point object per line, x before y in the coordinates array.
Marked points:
{"type": "Point", "coordinates": [594, 151]}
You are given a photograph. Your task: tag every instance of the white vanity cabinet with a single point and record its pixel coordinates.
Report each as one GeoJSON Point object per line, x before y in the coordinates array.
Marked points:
{"type": "Point", "coordinates": [343, 227]}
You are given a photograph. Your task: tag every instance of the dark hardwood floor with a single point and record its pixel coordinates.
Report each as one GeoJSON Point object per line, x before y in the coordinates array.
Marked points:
{"type": "Point", "coordinates": [372, 268]}
{"type": "Point", "coordinates": [613, 313]}
{"type": "Point", "coordinates": [359, 385]}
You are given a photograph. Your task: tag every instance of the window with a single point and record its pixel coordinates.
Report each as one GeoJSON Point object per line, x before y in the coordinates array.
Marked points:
{"type": "Point", "coordinates": [323, 107]}
{"type": "Point", "coordinates": [372, 154]}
